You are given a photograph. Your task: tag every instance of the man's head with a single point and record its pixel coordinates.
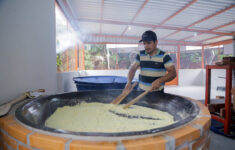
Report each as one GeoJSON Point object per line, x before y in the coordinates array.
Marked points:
{"type": "Point", "coordinates": [149, 39]}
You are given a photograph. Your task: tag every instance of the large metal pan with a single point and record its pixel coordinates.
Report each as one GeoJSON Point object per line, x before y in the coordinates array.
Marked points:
{"type": "Point", "coordinates": [35, 112]}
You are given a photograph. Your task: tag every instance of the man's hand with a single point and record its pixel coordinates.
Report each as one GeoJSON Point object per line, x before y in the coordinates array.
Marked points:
{"type": "Point", "coordinates": [131, 75]}
{"type": "Point", "coordinates": [155, 85]}
{"type": "Point", "coordinates": [168, 77]}
{"type": "Point", "coordinates": [127, 88]}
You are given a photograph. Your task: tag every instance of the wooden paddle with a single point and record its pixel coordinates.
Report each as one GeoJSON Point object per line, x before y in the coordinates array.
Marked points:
{"type": "Point", "coordinates": [120, 98]}
{"type": "Point", "coordinates": [5, 108]}
{"type": "Point", "coordinates": [136, 99]}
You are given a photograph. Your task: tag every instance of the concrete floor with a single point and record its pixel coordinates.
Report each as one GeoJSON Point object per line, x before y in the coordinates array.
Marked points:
{"type": "Point", "coordinates": [218, 142]}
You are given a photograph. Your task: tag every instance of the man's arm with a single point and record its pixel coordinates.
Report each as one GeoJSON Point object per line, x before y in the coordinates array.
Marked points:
{"type": "Point", "coordinates": [168, 77]}
{"type": "Point", "coordinates": [131, 75]}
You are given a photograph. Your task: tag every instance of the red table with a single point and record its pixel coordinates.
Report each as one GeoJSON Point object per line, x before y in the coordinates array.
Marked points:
{"type": "Point", "coordinates": [227, 119]}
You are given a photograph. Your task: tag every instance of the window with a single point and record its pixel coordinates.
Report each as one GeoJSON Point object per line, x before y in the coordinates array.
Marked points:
{"type": "Point", "coordinates": [66, 44]}
{"type": "Point", "coordinates": [95, 57]}
{"type": "Point", "coordinates": [190, 59]}
{"type": "Point", "coordinates": [109, 56]}
{"type": "Point", "coordinates": [214, 54]}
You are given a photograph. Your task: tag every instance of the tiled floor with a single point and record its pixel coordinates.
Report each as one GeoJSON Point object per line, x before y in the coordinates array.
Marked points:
{"type": "Point", "coordinates": [218, 142]}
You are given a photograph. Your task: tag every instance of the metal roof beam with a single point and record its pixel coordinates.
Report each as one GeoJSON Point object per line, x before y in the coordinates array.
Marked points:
{"type": "Point", "coordinates": [137, 13]}
{"type": "Point", "coordinates": [213, 15]}
{"type": "Point", "coordinates": [67, 13]}
{"type": "Point", "coordinates": [219, 43]}
{"type": "Point", "coordinates": [204, 19]}
{"type": "Point", "coordinates": [216, 28]}
{"type": "Point", "coordinates": [154, 26]}
{"type": "Point", "coordinates": [101, 14]}
{"type": "Point", "coordinates": [162, 44]}
{"type": "Point", "coordinates": [178, 12]}
{"type": "Point", "coordinates": [137, 39]}
{"type": "Point", "coordinates": [215, 37]}
{"type": "Point", "coordinates": [224, 25]}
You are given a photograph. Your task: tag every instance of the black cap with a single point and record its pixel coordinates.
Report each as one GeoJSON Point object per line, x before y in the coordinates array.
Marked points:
{"type": "Point", "coordinates": [149, 36]}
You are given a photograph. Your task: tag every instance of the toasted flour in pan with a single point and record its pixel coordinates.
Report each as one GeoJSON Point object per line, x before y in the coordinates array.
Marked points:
{"type": "Point", "coordinates": [106, 118]}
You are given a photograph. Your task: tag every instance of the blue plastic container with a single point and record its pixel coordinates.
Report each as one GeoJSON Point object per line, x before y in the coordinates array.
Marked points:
{"type": "Point", "coordinates": [100, 82]}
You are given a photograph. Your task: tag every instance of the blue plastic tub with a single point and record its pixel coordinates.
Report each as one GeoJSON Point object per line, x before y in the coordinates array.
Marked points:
{"type": "Point", "coordinates": [100, 82]}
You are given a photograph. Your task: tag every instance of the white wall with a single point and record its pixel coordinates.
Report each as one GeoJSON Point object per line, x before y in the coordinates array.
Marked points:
{"type": "Point", "coordinates": [189, 77]}
{"type": "Point", "coordinates": [27, 47]}
{"type": "Point", "coordinates": [65, 82]}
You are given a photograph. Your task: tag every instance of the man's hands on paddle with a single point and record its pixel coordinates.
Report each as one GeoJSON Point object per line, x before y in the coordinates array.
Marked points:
{"type": "Point", "coordinates": [127, 88]}
{"type": "Point", "coordinates": [155, 85]}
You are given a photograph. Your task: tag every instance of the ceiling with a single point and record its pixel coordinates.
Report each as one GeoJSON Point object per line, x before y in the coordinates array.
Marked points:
{"type": "Point", "coordinates": [176, 22]}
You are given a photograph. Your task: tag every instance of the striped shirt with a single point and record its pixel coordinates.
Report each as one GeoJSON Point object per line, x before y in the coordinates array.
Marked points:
{"type": "Point", "coordinates": [152, 68]}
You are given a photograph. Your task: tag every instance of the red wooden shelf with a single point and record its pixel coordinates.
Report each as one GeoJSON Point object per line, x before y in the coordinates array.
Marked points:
{"type": "Point", "coordinates": [218, 118]}
{"type": "Point", "coordinates": [228, 86]}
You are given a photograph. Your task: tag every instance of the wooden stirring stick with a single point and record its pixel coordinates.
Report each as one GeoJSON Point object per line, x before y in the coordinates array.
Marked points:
{"type": "Point", "coordinates": [136, 99]}
{"type": "Point", "coordinates": [120, 98]}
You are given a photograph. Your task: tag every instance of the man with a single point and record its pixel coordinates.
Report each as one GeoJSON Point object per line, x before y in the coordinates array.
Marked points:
{"type": "Point", "coordinates": [153, 64]}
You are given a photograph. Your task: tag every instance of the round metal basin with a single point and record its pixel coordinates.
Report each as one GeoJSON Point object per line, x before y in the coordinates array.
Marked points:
{"type": "Point", "coordinates": [35, 112]}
